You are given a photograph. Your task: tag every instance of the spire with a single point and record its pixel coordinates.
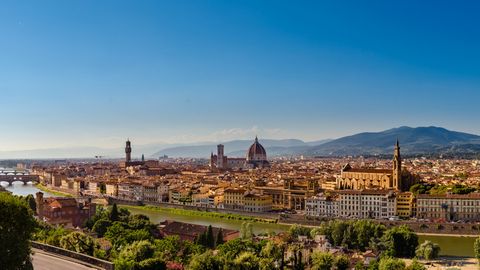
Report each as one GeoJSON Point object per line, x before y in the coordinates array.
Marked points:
{"type": "Point", "coordinates": [397, 144]}
{"type": "Point", "coordinates": [256, 138]}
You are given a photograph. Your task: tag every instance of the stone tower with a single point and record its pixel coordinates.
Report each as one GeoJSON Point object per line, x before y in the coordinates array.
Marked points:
{"type": "Point", "coordinates": [128, 151]}
{"type": "Point", "coordinates": [397, 167]}
{"type": "Point", "coordinates": [220, 156]}
{"type": "Point", "coordinates": [40, 203]}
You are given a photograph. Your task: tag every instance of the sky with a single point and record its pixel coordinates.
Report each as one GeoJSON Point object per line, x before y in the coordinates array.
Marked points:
{"type": "Point", "coordinates": [93, 73]}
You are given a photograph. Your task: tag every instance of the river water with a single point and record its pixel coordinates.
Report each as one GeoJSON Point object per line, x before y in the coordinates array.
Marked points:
{"type": "Point", "coordinates": [450, 245]}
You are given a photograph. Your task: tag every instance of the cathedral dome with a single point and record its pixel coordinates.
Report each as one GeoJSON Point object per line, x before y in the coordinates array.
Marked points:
{"type": "Point", "coordinates": [256, 152]}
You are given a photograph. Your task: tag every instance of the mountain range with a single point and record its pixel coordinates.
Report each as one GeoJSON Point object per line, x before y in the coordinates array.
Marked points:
{"type": "Point", "coordinates": [413, 141]}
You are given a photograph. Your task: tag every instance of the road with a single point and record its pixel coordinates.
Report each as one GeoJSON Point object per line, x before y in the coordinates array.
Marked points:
{"type": "Point", "coordinates": [45, 261]}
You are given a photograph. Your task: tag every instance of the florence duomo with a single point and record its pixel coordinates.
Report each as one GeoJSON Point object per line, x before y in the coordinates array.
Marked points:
{"type": "Point", "coordinates": [256, 157]}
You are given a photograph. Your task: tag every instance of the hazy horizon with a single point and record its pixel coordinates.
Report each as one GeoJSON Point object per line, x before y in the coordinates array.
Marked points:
{"type": "Point", "coordinates": [94, 73]}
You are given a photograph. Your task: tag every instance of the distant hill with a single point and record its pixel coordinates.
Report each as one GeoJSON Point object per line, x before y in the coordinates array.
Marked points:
{"type": "Point", "coordinates": [420, 140]}
{"type": "Point", "coordinates": [428, 141]}
{"type": "Point", "coordinates": [238, 148]}
{"type": "Point", "coordinates": [413, 141]}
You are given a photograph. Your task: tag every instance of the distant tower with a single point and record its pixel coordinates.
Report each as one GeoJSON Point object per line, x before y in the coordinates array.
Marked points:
{"type": "Point", "coordinates": [397, 167]}
{"type": "Point", "coordinates": [128, 151]}
{"type": "Point", "coordinates": [220, 158]}
{"type": "Point", "coordinates": [211, 160]}
{"type": "Point", "coordinates": [143, 158]}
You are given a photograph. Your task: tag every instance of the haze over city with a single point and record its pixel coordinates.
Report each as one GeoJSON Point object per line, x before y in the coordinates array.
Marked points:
{"type": "Point", "coordinates": [93, 73]}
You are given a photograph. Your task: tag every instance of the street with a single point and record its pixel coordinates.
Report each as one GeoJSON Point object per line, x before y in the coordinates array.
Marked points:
{"type": "Point", "coordinates": [45, 261]}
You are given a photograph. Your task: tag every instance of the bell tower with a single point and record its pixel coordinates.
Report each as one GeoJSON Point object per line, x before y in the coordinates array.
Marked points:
{"type": "Point", "coordinates": [397, 167]}
{"type": "Point", "coordinates": [128, 151]}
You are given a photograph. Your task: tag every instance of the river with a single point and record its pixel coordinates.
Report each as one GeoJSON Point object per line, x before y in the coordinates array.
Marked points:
{"type": "Point", "coordinates": [19, 188]}
{"type": "Point", "coordinates": [450, 245]}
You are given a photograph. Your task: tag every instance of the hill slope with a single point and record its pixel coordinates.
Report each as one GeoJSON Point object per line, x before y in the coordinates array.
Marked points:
{"type": "Point", "coordinates": [420, 140]}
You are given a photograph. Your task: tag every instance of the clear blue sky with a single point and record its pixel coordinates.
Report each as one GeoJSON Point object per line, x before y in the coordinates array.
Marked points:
{"type": "Point", "coordinates": [75, 73]}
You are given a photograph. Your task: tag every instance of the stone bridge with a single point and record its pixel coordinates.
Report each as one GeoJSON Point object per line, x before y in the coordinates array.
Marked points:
{"type": "Point", "coordinates": [18, 177]}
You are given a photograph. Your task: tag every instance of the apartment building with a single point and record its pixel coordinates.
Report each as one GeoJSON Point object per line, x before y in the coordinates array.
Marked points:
{"type": "Point", "coordinates": [449, 207]}
{"type": "Point", "coordinates": [374, 204]}
{"type": "Point", "coordinates": [321, 205]}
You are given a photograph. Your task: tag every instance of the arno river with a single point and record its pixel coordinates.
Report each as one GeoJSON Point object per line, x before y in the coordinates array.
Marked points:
{"type": "Point", "coordinates": [450, 245]}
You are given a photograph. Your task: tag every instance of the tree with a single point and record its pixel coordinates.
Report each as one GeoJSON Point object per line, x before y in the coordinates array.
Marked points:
{"type": "Point", "coordinates": [152, 264]}
{"type": "Point", "coordinates": [201, 239]}
{"type": "Point", "coordinates": [415, 265]}
{"type": "Point", "coordinates": [113, 215]}
{"type": "Point", "coordinates": [205, 261]}
{"type": "Point", "coordinates": [79, 242]}
{"type": "Point", "coordinates": [246, 261]}
{"type": "Point", "coordinates": [322, 261]}
{"type": "Point", "coordinates": [210, 239]}
{"type": "Point", "coordinates": [31, 202]}
{"type": "Point", "coordinates": [16, 228]}
{"type": "Point", "coordinates": [428, 251]}
{"type": "Point", "coordinates": [137, 251]}
{"type": "Point", "coordinates": [342, 262]}
{"type": "Point", "coordinates": [389, 263]}
{"type": "Point", "coordinates": [101, 226]}
{"type": "Point", "coordinates": [296, 230]}
{"type": "Point", "coordinates": [401, 242]}
{"type": "Point", "coordinates": [219, 240]}
{"type": "Point", "coordinates": [246, 231]}
{"type": "Point", "coordinates": [476, 248]}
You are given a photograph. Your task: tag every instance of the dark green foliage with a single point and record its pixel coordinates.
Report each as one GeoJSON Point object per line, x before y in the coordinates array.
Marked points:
{"type": "Point", "coordinates": [351, 234]}
{"type": "Point", "coordinates": [342, 262]}
{"type": "Point", "coordinates": [31, 202]}
{"type": "Point", "coordinates": [210, 238]}
{"type": "Point", "coordinates": [171, 248]}
{"type": "Point", "coordinates": [48, 234]}
{"type": "Point", "coordinates": [79, 242]}
{"type": "Point", "coordinates": [113, 215]}
{"type": "Point", "coordinates": [296, 230]}
{"type": "Point", "coordinates": [388, 263]}
{"type": "Point", "coordinates": [100, 227]}
{"type": "Point", "coordinates": [16, 228]}
{"type": "Point", "coordinates": [219, 239]}
{"type": "Point", "coordinates": [322, 261]}
{"type": "Point", "coordinates": [152, 264]}
{"type": "Point", "coordinates": [428, 250]}
{"type": "Point", "coordinates": [400, 241]}
{"type": "Point", "coordinates": [205, 261]}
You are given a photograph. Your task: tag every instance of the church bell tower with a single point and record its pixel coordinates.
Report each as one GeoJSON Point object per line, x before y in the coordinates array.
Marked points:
{"type": "Point", "coordinates": [397, 167]}
{"type": "Point", "coordinates": [128, 151]}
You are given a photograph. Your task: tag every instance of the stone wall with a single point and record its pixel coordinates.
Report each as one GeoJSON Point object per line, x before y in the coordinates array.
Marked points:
{"type": "Point", "coordinates": [77, 256]}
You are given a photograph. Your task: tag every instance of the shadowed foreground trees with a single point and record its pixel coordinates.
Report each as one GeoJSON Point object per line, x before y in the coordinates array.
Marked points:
{"type": "Point", "coordinates": [16, 227]}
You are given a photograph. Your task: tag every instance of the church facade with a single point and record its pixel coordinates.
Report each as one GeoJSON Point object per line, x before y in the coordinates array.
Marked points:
{"type": "Point", "coordinates": [360, 179]}
{"type": "Point", "coordinates": [256, 157]}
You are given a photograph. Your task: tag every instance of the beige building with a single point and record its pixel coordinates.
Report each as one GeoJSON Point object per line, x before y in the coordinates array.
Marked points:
{"type": "Point", "coordinates": [449, 207]}
{"type": "Point", "coordinates": [405, 204]}
{"type": "Point", "coordinates": [234, 198]}
{"type": "Point", "coordinates": [293, 194]}
{"type": "Point", "coordinates": [257, 203]}
{"type": "Point", "coordinates": [321, 205]}
{"type": "Point", "coordinates": [374, 204]}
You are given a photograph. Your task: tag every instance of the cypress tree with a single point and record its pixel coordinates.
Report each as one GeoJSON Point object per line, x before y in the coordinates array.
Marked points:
{"type": "Point", "coordinates": [219, 238]}
{"type": "Point", "coordinates": [210, 240]}
{"type": "Point", "coordinates": [113, 213]}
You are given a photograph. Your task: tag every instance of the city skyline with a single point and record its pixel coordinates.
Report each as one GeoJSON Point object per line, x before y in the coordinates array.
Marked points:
{"type": "Point", "coordinates": [94, 74]}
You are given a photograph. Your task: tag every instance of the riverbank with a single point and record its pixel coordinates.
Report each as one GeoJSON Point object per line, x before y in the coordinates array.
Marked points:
{"type": "Point", "coordinates": [52, 191]}
{"type": "Point", "coordinates": [197, 213]}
